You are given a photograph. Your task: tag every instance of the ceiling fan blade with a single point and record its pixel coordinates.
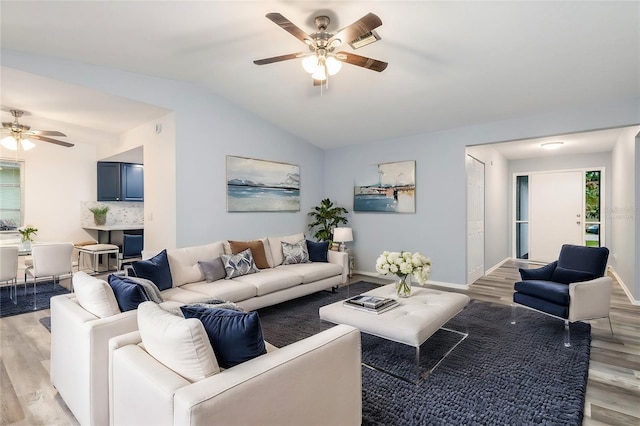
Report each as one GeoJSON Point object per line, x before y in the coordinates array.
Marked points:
{"type": "Point", "coordinates": [362, 26]}
{"type": "Point", "coordinates": [6, 124]}
{"type": "Point", "coordinates": [290, 27]}
{"type": "Point", "coordinates": [279, 58]}
{"type": "Point", "coordinates": [45, 133]}
{"type": "Point", "coordinates": [45, 139]}
{"type": "Point", "coordinates": [361, 61]}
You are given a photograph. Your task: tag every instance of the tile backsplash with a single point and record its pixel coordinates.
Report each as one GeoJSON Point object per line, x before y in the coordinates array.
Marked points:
{"type": "Point", "coordinates": [120, 213]}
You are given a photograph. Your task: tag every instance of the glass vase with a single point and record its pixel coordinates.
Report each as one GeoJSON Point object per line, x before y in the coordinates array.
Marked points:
{"type": "Point", "coordinates": [403, 286]}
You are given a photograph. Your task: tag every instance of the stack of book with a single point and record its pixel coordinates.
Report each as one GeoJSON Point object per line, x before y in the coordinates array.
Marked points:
{"type": "Point", "coordinates": [372, 304]}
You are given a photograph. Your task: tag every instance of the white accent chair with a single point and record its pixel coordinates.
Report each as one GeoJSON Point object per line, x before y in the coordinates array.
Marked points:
{"type": "Point", "coordinates": [9, 270]}
{"type": "Point", "coordinates": [80, 346]}
{"type": "Point", "coordinates": [50, 261]}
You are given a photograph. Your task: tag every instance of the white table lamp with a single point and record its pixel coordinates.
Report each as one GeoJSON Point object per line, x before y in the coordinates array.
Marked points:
{"type": "Point", "coordinates": [342, 235]}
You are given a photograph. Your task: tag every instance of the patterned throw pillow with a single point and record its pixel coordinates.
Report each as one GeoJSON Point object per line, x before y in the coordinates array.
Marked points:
{"type": "Point", "coordinates": [295, 253]}
{"type": "Point", "coordinates": [239, 264]}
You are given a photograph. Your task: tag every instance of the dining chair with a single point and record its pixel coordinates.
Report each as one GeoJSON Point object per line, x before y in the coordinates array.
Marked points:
{"type": "Point", "coordinates": [49, 261]}
{"type": "Point", "coordinates": [9, 270]}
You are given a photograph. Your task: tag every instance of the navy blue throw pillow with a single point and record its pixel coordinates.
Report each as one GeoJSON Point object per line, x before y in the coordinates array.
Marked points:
{"type": "Point", "coordinates": [235, 336]}
{"type": "Point", "coordinates": [155, 269]}
{"type": "Point", "coordinates": [129, 294]}
{"type": "Point", "coordinates": [568, 276]}
{"type": "Point", "coordinates": [318, 251]}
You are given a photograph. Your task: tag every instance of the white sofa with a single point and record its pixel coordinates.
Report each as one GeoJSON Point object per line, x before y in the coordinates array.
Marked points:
{"type": "Point", "coordinates": [79, 338]}
{"type": "Point", "coordinates": [268, 287]}
{"type": "Point", "coordinates": [315, 381]}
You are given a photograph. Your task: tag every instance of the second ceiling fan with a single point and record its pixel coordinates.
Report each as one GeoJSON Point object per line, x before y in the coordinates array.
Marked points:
{"type": "Point", "coordinates": [322, 60]}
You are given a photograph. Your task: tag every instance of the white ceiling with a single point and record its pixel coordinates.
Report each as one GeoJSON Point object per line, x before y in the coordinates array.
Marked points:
{"type": "Point", "coordinates": [451, 63]}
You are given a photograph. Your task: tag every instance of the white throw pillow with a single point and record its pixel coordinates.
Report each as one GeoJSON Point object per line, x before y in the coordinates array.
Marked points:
{"type": "Point", "coordinates": [180, 344]}
{"type": "Point", "coordinates": [276, 246]}
{"type": "Point", "coordinates": [95, 295]}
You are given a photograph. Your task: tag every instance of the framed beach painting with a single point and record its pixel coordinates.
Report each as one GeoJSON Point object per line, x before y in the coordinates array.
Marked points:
{"type": "Point", "coordinates": [262, 186]}
{"type": "Point", "coordinates": [394, 191]}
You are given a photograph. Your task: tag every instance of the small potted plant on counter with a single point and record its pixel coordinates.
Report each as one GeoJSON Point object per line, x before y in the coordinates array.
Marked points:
{"type": "Point", "coordinates": [99, 214]}
{"type": "Point", "coordinates": [27, 232]}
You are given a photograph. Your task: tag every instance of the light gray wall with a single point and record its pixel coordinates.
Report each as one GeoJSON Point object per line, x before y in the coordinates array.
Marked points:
{"type": "Point", "coordinates": [622, 213]}
{"type": "Point", "coordinates": [438, 228]}
{"type": "Point", "coordinates": [207, 128]}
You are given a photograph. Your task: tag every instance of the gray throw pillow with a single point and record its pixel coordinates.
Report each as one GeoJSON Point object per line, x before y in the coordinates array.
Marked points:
{"type": "Point", "coordinates": [212, 270]}
{"type": "Point", "coordinates": [295, 253]}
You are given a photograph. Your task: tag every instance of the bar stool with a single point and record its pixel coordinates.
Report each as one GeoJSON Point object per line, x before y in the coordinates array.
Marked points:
{"type": "Point", "coordinates": [96, 250]}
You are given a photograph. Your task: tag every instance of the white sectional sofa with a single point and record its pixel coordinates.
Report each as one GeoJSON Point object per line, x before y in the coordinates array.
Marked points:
{"type": "Point", "coordinates": [268, 287]}
{"type": "Point", "coordinates": [79, 337]}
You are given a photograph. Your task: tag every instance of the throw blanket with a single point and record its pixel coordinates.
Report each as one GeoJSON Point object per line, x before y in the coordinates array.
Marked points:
{"type": "Point", "coordinates": [149, 288]}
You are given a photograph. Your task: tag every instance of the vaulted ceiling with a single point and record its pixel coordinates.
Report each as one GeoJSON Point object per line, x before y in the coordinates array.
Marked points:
{"type": "Point", "coordinates": [451, 63]}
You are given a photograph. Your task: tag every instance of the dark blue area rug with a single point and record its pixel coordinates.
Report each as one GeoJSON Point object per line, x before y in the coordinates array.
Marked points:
{"type": "Point", "coordinates": [502, 374]}
{"type": "Point", "coordinates": [45, 291]}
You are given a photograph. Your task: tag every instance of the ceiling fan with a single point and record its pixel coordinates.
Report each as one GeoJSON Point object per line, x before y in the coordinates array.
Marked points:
{"type": "Point", "coordinates": [22, 133]}
{"type": "Point", "coordinates": [322, 60]}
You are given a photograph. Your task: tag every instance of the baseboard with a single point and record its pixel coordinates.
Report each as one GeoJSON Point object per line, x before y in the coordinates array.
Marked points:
{"type": "Point", "coordinates": [624, 287]}
{"type": "Point", "coordinates": [429, 282]}
{"type": "Point", "coordinates": [497, 265]}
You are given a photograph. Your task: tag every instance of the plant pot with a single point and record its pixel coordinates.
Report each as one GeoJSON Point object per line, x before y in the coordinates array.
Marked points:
{"type": "Point", "coordinates": [100, 219]}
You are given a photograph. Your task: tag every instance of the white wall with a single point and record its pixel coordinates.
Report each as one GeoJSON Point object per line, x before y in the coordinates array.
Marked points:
{"type": "Point", "coordinates": [159, 152]}
{"type": "Point", "coordinates": [622, 213]}
{"type": "Point", "coordinates": [54, 188]}
{"type": "Point", "coordinates": [569, 162]}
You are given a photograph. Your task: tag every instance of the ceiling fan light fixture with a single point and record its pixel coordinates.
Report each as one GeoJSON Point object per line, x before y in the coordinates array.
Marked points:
{"type": "Point", "coordinates": [10, 143]}
{"type": "Point", "coordinates": [27, 144]}
{"type": "Point", "coordinates": [333, 65]}
{"type": "Point", "coordinates": [320, 73]}
{"type": "Point", "coordinates": [310, 63]}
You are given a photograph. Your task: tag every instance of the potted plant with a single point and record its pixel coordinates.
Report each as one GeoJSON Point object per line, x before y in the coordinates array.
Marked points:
{"type": "Point", "coordinates": [99, 214]}
{"type": "Point", "coordinates": [26, 233]}
{"type": "Point", "coordinates": [326, 216]}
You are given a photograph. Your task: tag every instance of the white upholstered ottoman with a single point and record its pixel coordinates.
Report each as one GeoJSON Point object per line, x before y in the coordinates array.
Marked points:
{"type": "Point", "coordinates": [412, 322]}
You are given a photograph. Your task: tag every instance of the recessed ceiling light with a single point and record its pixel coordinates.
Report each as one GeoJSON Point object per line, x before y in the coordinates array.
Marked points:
{"type": "Point", "coordinates": [552, 145]}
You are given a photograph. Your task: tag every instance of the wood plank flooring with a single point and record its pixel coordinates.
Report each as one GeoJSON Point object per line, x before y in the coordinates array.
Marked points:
{"type": "Point", "coordinates": [613, 390]}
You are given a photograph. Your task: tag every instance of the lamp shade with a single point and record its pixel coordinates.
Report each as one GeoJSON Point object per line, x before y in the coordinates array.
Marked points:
{"type": "Point", "coordinates": [341, 235]}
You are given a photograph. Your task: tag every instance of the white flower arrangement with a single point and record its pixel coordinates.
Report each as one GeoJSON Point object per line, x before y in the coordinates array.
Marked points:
{"type": "Point", "coordinates": [403, 264]}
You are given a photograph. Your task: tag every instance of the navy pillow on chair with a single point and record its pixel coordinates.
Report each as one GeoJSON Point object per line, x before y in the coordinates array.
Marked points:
{"type": "Point", "coordinates": [318, 251]}
{"type": "Point", "coordinates": [235, 336]}
{"type": "Point", "coordinates": [568, 276]}
{"type": "Point", "coordinates": [543, 273]}
{"type": "Point", "coordinates": [155, 269]}
{"type": "Point", "coordinates": [129, 294]}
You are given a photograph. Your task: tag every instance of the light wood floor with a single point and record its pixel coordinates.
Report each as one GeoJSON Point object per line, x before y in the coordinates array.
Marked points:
{"type": "Point", "coordinates": [613, 390]}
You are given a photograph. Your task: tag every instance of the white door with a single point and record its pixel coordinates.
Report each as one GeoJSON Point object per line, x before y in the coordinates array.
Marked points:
{"type": "Point", "coordinates": [475, 219]}
{"type": "Point", "coordinates": [556, 208]}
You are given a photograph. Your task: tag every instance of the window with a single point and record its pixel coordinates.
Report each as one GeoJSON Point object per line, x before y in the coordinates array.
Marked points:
{"type": "Point", "coordinates": [522, 217]}
{"type": "Point", "coordinates": [11, 194]}
{"type": "Point", "coordinates": [592, 208]}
